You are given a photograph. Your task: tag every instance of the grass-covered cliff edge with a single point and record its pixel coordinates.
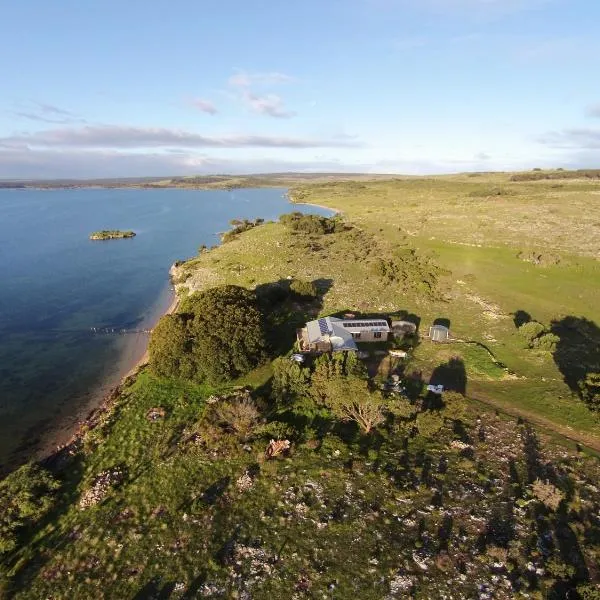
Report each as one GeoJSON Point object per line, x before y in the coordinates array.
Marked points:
{"type": "Point", "coordinates": [379, 495]}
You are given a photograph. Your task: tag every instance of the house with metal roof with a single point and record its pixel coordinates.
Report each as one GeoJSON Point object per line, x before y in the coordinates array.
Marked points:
{"type": "Point", "coordinates": [331, 334]}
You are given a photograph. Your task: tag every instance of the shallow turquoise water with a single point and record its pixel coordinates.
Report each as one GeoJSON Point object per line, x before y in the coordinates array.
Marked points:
{"type": "Point", "coordinates": [56, 285]}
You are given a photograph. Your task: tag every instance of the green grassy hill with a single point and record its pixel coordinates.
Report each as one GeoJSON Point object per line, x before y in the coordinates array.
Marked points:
{"type": "Point", "coordinates": [169, 493]}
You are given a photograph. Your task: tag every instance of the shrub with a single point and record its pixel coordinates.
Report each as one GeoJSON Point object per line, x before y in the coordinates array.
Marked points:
{"type": "Point", "coordinates": [547, 494]}
{"type": "Point", "coordinates": [589, 591]}
{"type": "Point", "coordinates": [290, 381]}
{"type": "Point", "coordinates": [546, 341]}
{"type": "Point", "coordinates": [334, 446]}
{"type": "Point", "coordinates": [530, 331]}
{"type": "Point", "coordinates": [312, 224]}
{"type": "Point", "coordinates": [304, 289]}
{"type": "Point", "coordinates": [429, 423]}
{"type": "Point", "coordinates": [26, 495]}
{"type": "Point", "coordinates": [238, 416]}
{"type": "Point", "coordinates": [275, 430]}
{"type": "Point", "coordinates": [455, 406]}
{"type": "Point", "coordinates": [590, 390]}
{"type": "Point", "coordinates": [220, 335]}
{"type": "Point", "coordinates": [402, 408]}
{"type": "Point", "coordinates": [170, 347]}
{"type": "Point", "coordinates": [559, 569]}
{"type": "Point", "coordinates": [239, 227]}
{"type": "Point", "coordinates": [350, 399]}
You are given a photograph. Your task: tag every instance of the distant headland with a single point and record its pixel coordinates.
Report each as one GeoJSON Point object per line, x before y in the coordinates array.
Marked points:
{"type": "Point", "coordinates": [111, 234]}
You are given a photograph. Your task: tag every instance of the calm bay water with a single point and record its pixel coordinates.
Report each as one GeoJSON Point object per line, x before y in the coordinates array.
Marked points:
{"type": "Point", "coordinates": [56, 285]}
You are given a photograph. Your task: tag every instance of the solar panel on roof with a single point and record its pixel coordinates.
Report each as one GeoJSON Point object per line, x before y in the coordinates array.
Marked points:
{"type": "Point", "coordinates": [323, 327]}
{"type": "Point", "coordinates": [362, 324]}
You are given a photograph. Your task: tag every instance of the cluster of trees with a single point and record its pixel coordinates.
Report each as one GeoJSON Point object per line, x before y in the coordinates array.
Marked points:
{"type": "Point", "coordinates": [218, 335]}
{"type": "Point", "coordinates": [239, 226]}
{"type": "Point", "coordinates": [26, 495]}
{"type": "Point", "coordinates": [537, 335]}
{"type": "Point", "coordinates": [313, 224]}
{"type": "Point", "coordinates": [337, 388]}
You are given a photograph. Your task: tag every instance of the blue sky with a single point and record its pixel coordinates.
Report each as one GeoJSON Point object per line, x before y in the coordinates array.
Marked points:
{"type": "Point", "coordinates": [96, 88]}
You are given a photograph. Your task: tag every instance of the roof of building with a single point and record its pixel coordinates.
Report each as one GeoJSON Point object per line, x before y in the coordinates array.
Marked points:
{"type": "Point", "coordinates": [439, 332]}
{"type": "Point", "coordinates": [339, 332]}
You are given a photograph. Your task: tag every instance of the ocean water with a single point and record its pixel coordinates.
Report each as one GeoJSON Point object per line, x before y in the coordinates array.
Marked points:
{"type": "Point", "coordinates": [56, 286]}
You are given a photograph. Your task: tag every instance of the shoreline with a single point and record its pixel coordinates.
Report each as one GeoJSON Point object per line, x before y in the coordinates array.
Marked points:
{"type": "Point", "coordinates": [101, 401]}
{"type": "Point", "coordinates": [66, 439]}
{"type": "Point", "coordinates": [335, 211]}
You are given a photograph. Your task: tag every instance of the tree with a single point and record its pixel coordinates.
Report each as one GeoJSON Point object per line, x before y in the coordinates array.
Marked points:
{"type": "Point", "coordinates": [170, 348]}
{"type": "Point", "coordinates": [590, 390]}
{"type": "Point", "coordinates": [327, 367]}
{"type": "Point", "coordinates": [290, 381]}
{"type": "Point", "coordinates": [546, 341]}
{"type": "Point", "coordinates": [227, 332]}
{"type": "Point", "coordinates": [455, 406]}
{"type": "Point", "coordinates": [530, 331]}
{"type": "Point", "coordinates": [429, 423]}
{"type": "Point", "coordinates": [26, 495]}
{"type": "Point", "coordinates": [350, 399]}
{"type": "Point", "coordinates": [218, 335]}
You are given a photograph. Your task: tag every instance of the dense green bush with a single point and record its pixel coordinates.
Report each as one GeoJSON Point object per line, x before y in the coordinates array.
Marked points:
{"type": "Point", "coordinates": [218, 336]}
{"type": "Point", "coordinates": [312, 224]}
{"type": "Point", "coordinates": [350, 399]}
{"type": "Point", "coordinates": [26, 495]}
{"type": "Point", "coordinates": [546, 341]}
{"type": "Point", "coordinates": [170, 348]}
{"type": "Point", "coordinates": [455, 406]}
{"type": "Point", "coordinates": [290, 381]}
{"type": "Point", "coordinates": [239, 227]}
{"type": "Point", "coordinates": [429, 423]}
{"type": "Point", "coordinates": [530, 331]}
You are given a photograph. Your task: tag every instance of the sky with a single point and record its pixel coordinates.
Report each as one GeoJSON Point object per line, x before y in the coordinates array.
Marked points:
{"type": "Point", "coordinates": [107, 88]}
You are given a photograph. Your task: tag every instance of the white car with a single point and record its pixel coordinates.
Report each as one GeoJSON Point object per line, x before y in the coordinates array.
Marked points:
{"type": "Point", "coordinates": [436, 389]}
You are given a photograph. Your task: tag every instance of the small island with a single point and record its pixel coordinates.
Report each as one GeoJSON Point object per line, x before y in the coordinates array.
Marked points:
{"type": "Point", "coordinates": [111, 234]}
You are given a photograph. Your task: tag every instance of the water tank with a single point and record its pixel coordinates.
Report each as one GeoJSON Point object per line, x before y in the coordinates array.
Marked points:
{"type": "Point", "coordinates": [439, 333]}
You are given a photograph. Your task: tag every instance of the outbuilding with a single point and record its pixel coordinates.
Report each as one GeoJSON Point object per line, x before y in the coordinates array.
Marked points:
{"type": "Point", "coordinates": [439, 333]}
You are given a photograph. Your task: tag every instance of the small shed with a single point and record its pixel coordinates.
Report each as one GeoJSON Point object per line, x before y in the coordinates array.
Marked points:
{"type": "Point", "coordinates": [439, 333]}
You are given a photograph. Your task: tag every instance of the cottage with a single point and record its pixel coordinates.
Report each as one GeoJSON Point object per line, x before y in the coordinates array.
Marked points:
{"type": "Point", "coordinates": [331, 334]}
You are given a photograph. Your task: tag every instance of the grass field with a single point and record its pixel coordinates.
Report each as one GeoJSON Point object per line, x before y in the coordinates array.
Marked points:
{"type": "Point", "coordinates": [467, 232]}
{"type": "Point", "coordinates": [193, 510]}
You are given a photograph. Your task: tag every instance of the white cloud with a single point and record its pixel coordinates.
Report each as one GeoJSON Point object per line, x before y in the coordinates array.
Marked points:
{"type": "Point", "coordinates": [593, 111]}
{"type": "Point", "coordinates": [244, 79]}
{"type": "Point", "coordinates": [268, 104]}
{"type": "Point", "coordinates": [120, 136]}
{"type": "Point", "coordinates": [582, 138]}
{"type": "Point", "coordinates": [46, 113]}
{"type": "Point", "coordinates": [205, 106]}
